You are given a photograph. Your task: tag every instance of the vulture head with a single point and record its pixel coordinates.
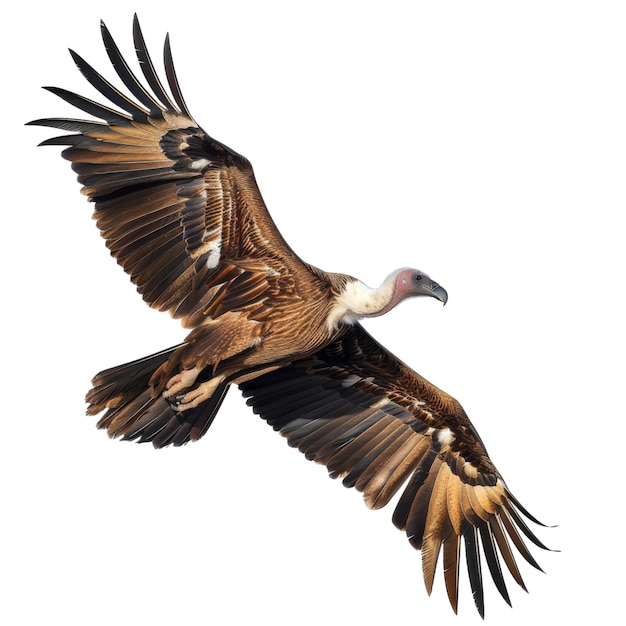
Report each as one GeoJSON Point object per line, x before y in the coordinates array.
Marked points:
{"type": "Point", "coordinates": [408, 283]}
{"type": "Point", "coordinates": [358, 300]}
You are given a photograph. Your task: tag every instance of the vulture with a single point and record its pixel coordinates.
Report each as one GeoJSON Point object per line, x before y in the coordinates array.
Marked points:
{"type": "Point", "coordinates": [182, 214]}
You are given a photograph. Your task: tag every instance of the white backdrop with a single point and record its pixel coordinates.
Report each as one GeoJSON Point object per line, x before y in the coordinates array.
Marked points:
{"type": "Point", "coordinates": [482, 142]}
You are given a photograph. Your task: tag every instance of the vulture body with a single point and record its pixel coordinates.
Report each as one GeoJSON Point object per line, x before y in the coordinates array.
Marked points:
{"type": "Point", "coordinates": [182, 214]}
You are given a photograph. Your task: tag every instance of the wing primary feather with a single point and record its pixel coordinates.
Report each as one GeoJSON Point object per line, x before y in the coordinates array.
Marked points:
{"type": "Point", "coordinates": [127, 76]}
{"type": "Point", "coordinates": [437, 526]}
{"type": "Point", "coordinates": [505, 550]}
{"type": "Point", "coordinates": [524, 528]}
{"type": "Point", "coordinates": [107, 89]}
{"type": "Point", "coordinates": [493, 562]}
{"type": "Point", "coordinates": [472, 554]}
{"type": "Point", "coordinates": [523, 509]}
{"type": "Point", "coordinates": [64, 140]}
{"type": "Point", "coordinates": [451, 548]}
{"type": "Point", "coordinates": [65, 123]}
{"type": "Point", "coordinates": [518, 542]}
{"type": "Point", "coordinates": [89, 106]}
{"type": "Point", "coordinates": [172, 80]}
{"type": "Point", "coordinates": [147, 67]}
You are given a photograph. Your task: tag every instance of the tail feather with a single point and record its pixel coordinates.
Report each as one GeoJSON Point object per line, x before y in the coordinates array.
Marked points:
{"type": "Point", "coordinates": [133, 412]}
{"type": "Point", "coordinates": [118, 384]}
{"type": "Point", "coordinates": [191, 424]}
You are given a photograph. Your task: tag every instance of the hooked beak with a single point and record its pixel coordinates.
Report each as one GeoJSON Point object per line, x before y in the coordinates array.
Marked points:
{"type": "Point", "coordinates": [434, 290]}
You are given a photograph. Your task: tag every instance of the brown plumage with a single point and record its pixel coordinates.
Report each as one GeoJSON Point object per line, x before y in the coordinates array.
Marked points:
{"type": "Point", "coordinates": [183, 216]}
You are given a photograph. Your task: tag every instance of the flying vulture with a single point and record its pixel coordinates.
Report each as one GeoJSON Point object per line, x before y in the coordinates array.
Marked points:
{"type": "Point", "coordinates": [183, 215]}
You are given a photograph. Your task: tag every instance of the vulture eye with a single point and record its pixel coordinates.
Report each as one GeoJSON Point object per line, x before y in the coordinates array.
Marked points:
{"type": "Point", "coordinates": [417, 277]}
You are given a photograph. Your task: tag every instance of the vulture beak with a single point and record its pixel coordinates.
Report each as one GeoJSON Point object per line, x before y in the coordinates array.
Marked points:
{"type": "Point", "coordinates": [440, 293]}
{"type": "Point", "coordinates": [430, 288]}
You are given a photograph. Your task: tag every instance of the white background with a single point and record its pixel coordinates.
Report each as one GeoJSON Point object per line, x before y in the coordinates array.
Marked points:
{"type": "Point", "coordinates": [483, 142]}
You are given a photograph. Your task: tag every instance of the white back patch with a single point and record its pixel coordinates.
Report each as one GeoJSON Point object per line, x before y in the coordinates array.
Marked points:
{"type": "Point", "coordinates": [200, 164]}
{"type": "Point", "coordinates": [213, 258]}
{"type": "Point", "coordinates": [444, 436]}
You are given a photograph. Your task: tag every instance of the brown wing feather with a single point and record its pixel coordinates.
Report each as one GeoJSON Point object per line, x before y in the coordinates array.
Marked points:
{"type": "Point", "coordinates": [370, 419]}
{"type": "Point", "coordinates": [178, 209]}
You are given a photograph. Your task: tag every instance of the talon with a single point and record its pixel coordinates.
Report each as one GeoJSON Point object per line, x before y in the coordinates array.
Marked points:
{"type": "Point", "coordinates": [175, 401]}
{"type": "Point", "coordinates": [191, 399]}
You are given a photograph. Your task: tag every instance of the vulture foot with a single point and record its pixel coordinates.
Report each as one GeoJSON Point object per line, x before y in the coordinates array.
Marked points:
{"type": "Point", "coordinates": [180, 382]}
{"type": "Point", "coordinates": [191, 398]}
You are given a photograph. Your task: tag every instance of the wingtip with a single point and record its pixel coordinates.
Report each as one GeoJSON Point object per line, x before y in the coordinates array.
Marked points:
{"type": "Point", "coordinates": [525, 511]}
{"type": "Point", "coordinates": [136, 26]}
{"type": "Point", "coordinates": [480, 606]}
{"type": "Point", "coordinates": [39, 122]}
{"type": "Point", "coordinates": [78, 60]}
{"type": "Point", "coordinates": [46, 142]}
{"type": "Point", "coordinates": [104, 31]}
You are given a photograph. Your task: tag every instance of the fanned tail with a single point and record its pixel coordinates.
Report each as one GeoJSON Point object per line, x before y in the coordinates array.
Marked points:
{"type": "Point", "coordinates": [135, 412]}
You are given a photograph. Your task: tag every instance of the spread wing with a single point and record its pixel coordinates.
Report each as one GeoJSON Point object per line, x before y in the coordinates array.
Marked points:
{"type": "Point", "coordinates": [180, 211]}
{"type": "Point", "coordinates": [370, 419]}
